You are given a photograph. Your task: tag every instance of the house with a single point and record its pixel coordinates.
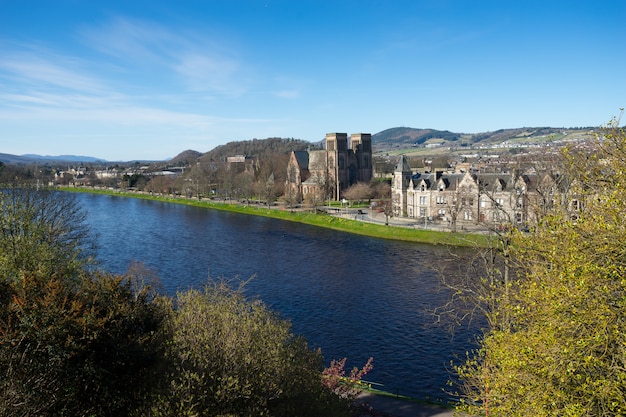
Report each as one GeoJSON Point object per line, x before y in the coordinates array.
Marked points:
{"type": "Point", "coordinates": [466, 198]}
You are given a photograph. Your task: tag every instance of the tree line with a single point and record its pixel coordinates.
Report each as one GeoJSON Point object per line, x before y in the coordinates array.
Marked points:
{"type": "Point", "coordinates": [261, 176]}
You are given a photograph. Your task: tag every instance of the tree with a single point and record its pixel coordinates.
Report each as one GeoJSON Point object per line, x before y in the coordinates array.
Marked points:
{"type": "Point", "coordinates": [293, 196]}
{"type": "Point", "coordinates": [562, 347]}
{"type": "Point", "coordinates": [83, 345]}
{"type": "Point", "coordinates": [42, 230]}
{"type": "Point", "coordinates": [233, 356]}
{"type": "Point", "coordinates": [72, 341]}
{"type": "Point", "coordinates": [359, 192]}
{"type": "Point", "coordinates": [161, 184]}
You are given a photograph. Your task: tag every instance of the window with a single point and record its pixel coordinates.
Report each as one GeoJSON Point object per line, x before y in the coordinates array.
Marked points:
{"type": "Point", "coordinates": [422, 212]}
{"type": "Point", "coordinates": [499, 202]}
{"type": "Point", "coordinates": [467, 215]}
{"type": "Point", "coordinates": [422, 200]}
{"type": "Point", "coordinates": [484, 203]}
{"type": "Point", "coordinates": [423, 188]}
{"type": "Point", "coordinates": [441, 200]}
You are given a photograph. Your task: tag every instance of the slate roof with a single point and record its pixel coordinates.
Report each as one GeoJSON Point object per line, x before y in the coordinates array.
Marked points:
{"type": "Point", "coordinates": [302, 157]}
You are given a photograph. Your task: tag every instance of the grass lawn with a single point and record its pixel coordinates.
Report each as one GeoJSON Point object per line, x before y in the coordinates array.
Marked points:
{"type": "Point", "coordinates": [314, 219]}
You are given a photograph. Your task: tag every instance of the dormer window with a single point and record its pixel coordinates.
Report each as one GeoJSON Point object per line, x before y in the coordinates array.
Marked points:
{"type": "Point", "coordinates": [441, 187]}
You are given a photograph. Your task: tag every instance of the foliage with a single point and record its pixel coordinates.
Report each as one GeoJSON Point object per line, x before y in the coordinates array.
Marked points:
{"type": "Point", "coordinates": [562, 350]}
{"type": "Point", "coordinates": [236, 357]}
{"type": "Point", "coordinates": [348, 387]}
{"type": "Point", "coordinates": [256, 147]}
{"type": "Point", "coordinates": [84, 345]}
{"type": "Point", "coordinates": [42, 230]}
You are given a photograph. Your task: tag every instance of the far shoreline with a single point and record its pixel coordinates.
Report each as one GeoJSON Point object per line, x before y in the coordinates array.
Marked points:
{"type": "Point", "coordinates": [379, 231]}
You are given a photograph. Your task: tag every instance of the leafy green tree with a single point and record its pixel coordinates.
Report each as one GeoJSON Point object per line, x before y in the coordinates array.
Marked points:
{"type": "Point", "coordinates": [562, 350]}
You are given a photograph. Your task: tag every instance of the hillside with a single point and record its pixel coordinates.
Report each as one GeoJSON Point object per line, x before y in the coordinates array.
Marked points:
{"type": "Point", "coordinates": [185, 157]}
{"type": "Point", "coordinates": [256, 147]}
{"type": "Point", "coordinates": [394, 140]}
{"type": "Point", "coordinates": [406, 138]}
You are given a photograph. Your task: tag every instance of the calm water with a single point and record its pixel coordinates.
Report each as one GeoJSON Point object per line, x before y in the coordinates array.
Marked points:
{"type": "Point", "coordinates": [352, 296]}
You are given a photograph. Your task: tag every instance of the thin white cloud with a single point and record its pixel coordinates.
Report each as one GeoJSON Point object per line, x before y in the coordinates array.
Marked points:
{"type": "Point", "coordinates": [196, 62]}
{"type": "Point", "coordinates": [32, 71]}
{"type": "Point", "coordinates": [38, 84]}
{"type": "Point", "coordinates": [131, 40]}
{"type": "Point", "coordinates": [203, 73]}
{"type": "Point", "coordinates": [139, 83]}
{"type": "Point", "coordinates": [287, 94]}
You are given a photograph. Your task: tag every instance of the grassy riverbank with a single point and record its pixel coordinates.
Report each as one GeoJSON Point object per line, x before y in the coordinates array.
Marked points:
{"type": "Point", "coordinates": [314, 219]}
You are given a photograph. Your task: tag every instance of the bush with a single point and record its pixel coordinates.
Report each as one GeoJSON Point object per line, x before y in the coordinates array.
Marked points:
{"type": "Point", "coordinates": [81, 346]}
{"type": "Point", "coordinates": [235, 357]}
{"type": "Point", "coordinates": [42, 230]}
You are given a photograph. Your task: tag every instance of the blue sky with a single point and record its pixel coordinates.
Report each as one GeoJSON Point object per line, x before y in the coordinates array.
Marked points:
{"type": "Point", "coordinates": [125, 80]}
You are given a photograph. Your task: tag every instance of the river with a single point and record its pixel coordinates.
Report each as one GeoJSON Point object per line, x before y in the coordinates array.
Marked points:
{"type": "Point", "coordinates": [350, 295]}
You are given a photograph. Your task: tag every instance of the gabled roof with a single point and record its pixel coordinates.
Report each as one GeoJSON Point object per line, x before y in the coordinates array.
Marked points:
{"type": "Point", "coordinates": [302, 158]}
{"type": "Point", "coordinates": [504, 182]}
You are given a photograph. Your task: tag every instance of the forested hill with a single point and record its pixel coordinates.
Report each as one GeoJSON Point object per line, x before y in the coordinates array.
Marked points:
{"type": "Point", "coordinates": [185, 157]}
{"type": "Point", "coordinates": [407, 137]}
{"type": "Point", "coordinates": [396, 138]}
{"type": "Point", "coordinates": [256, 147]}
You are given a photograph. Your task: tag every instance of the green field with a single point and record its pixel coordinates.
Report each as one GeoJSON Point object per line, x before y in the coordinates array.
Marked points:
{"type": "Point", "coordinates": [319, 220]}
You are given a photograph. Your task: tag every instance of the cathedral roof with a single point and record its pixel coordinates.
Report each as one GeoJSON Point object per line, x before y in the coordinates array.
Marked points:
{"type": "Point", "coordinates": [302, 158]}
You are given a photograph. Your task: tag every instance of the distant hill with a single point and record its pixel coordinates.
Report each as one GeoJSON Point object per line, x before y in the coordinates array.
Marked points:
{"type": "Point", "coordinates": [32, 158]}
{"type": "Point", "coordinates": [393, 139]}
{"type": "Point", "coordinates": [185, 157]}
{"type": "Point", "coordinates": [256, 147]}
{"type": "Point", "coordinates": [398, 138]}
{"type": "Point", "coordinates": [406, 137]}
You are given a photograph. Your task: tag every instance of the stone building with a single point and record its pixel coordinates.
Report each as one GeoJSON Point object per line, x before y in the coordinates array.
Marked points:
{"type": "Point", "coordinates": [242, 163]}
{"type": "Point", "coordinates": [459, 199]}
{"type": "Point", "coordinates": [324, 174]}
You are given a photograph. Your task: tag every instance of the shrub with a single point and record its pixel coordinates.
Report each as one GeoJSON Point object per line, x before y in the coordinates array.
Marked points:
{"type": "Point", "coordinates": [233, 356]}
{"type": "Point", "coordinates": [81, 346]}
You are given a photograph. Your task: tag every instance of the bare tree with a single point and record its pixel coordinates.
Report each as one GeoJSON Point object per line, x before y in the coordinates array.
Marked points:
{"type": "Point", "coordinates": [359, 192]}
